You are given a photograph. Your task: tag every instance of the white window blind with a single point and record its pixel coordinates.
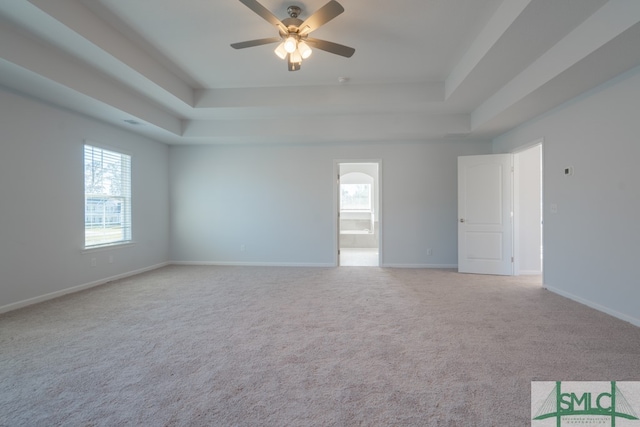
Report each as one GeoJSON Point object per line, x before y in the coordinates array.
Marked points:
{"type": "Point", "coordinates": [107, 197]}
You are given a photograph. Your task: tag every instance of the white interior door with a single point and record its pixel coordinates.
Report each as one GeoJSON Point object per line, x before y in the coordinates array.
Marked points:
{"type": "Point", "coordinates": [485, 214]}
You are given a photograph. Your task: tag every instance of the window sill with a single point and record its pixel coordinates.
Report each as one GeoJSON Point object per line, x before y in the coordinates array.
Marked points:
{"type": "Point", "coordinates": [107, 247]}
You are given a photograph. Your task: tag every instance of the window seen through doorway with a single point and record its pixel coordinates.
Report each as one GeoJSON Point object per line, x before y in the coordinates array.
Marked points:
{"type": "Point", "coordinates": [355, 196]}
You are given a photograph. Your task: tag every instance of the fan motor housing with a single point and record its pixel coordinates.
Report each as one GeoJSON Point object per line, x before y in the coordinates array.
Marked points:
{"type": "Point", "coordinates": [294, 11]}
{"type": "Point", "coordinates": [292, 24]}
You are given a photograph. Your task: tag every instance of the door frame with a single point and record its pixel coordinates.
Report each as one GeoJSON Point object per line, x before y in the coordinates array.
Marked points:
{"type": "Point", "coordinates": [336, 207]}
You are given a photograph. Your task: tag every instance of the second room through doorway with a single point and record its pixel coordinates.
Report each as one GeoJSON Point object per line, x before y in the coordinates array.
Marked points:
{"type": "Point", "coordinates": [358, 216]}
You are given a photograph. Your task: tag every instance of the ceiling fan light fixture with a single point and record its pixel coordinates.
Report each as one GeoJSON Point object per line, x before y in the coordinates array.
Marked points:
{"type": "Point", "coordinates": [280, 51]}
{"type": "Point", "coordinates": [290, 44]}
{"type": "Point", "coordinates": [292, 65]}
{"type": "Point", "coordinates": [304, 49]}
{"type": "Point", "coordinates": [293, 44]}
{"type": "Point", "coordinates": [295, 57]}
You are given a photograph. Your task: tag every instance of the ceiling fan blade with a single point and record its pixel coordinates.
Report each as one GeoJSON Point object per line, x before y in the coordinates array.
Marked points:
{"type": "Point", "coordinates": [331, 47]}
{"type": "Point", "coordinates": [265, 14]}
{"type": "Point", "coordinates": [323, 15]}
{"type": "Point", "coordinates": [257, 42]}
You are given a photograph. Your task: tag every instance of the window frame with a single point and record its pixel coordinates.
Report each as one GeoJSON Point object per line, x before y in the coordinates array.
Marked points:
{"type": "Point", "coordinates": [126, 200]}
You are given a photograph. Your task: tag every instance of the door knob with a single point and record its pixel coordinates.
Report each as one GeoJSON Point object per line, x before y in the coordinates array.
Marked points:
{"type": "Point", "coordinates": [461, 219]}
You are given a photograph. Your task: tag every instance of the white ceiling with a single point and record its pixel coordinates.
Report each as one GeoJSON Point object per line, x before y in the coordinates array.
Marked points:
{"type": "Point", "coordinates": [422, 70]}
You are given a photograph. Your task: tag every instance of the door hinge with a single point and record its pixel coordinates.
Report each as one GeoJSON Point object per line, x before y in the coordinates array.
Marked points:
{"type": "Point", "coordinates": [511, 259]}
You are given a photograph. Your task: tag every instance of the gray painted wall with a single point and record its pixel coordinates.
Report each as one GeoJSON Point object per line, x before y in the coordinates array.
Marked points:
{"type": "Point", "coordinates": [42, 202]}
{"type": "Point", "coordinates": [278, 201]}
{"type": "Point", "coordinates": [591, 244]}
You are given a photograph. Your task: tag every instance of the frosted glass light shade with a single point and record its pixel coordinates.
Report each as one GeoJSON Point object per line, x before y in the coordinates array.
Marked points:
{"type": "Point", "coordinates": [280, 51]}
{"type": "Point", "coordinates": [304, 49]}
{"type": "Point", "coordinates": [295, 56]}
{"type": "Point", "coordinates": [290, 44]}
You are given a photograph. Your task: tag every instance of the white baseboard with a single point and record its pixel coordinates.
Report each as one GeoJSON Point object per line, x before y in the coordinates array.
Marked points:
{"type": "Point", "coordinates": [529, 273]}
{"type": "Point", "coordinates": [288, 264]}
{"type": "Point", "coordinates": [52, 295]}
{"type": "Point", "coordinates": [252, 264]}
{"type": "Point", "coordinates": [634, 321]}
{"type": "Point", "coordinates": [447, 266]}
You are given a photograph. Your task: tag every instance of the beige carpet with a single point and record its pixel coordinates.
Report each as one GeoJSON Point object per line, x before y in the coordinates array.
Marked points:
{"type": "Point", "coordinates": [259, 346]}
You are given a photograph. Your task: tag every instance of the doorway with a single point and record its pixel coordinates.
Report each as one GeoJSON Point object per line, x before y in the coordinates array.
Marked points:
{"type": "Point", "coordinates": [358, 213]}
{"type": "Point", "coordinates": [528, 248]}
{"type": "Point", "coordinates": [500, 212]}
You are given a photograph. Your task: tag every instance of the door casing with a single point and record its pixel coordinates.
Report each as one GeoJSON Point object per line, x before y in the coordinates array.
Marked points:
{"type": "Point", "coordinates": [336, 207]}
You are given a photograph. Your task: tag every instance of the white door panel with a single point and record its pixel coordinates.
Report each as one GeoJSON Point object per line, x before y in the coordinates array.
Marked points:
{"type": "Point", "coordinates": [487, 246]}
{"type": "Point", "coordinates": [485, 226]}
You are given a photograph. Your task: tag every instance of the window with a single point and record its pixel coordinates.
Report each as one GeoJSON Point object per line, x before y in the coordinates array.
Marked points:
{"type": "Point", "coordinates": [355, 197]}
{"type": "Point", "coordinates": [107, 197]}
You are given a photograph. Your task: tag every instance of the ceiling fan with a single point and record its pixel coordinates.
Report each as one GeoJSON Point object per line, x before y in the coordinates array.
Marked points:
{"type": "Point", "coordinates": [294, 33]}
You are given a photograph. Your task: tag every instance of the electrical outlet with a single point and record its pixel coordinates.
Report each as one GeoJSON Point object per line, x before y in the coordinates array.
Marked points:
{"type": "Point", "coordinates": [94, 262]}
{"type": "Point", "coordinates": [241, 248]}
{"type": "Point", "coordinates": [110, 259]}
{"type": "Point", "coordinates": [429, 252]}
